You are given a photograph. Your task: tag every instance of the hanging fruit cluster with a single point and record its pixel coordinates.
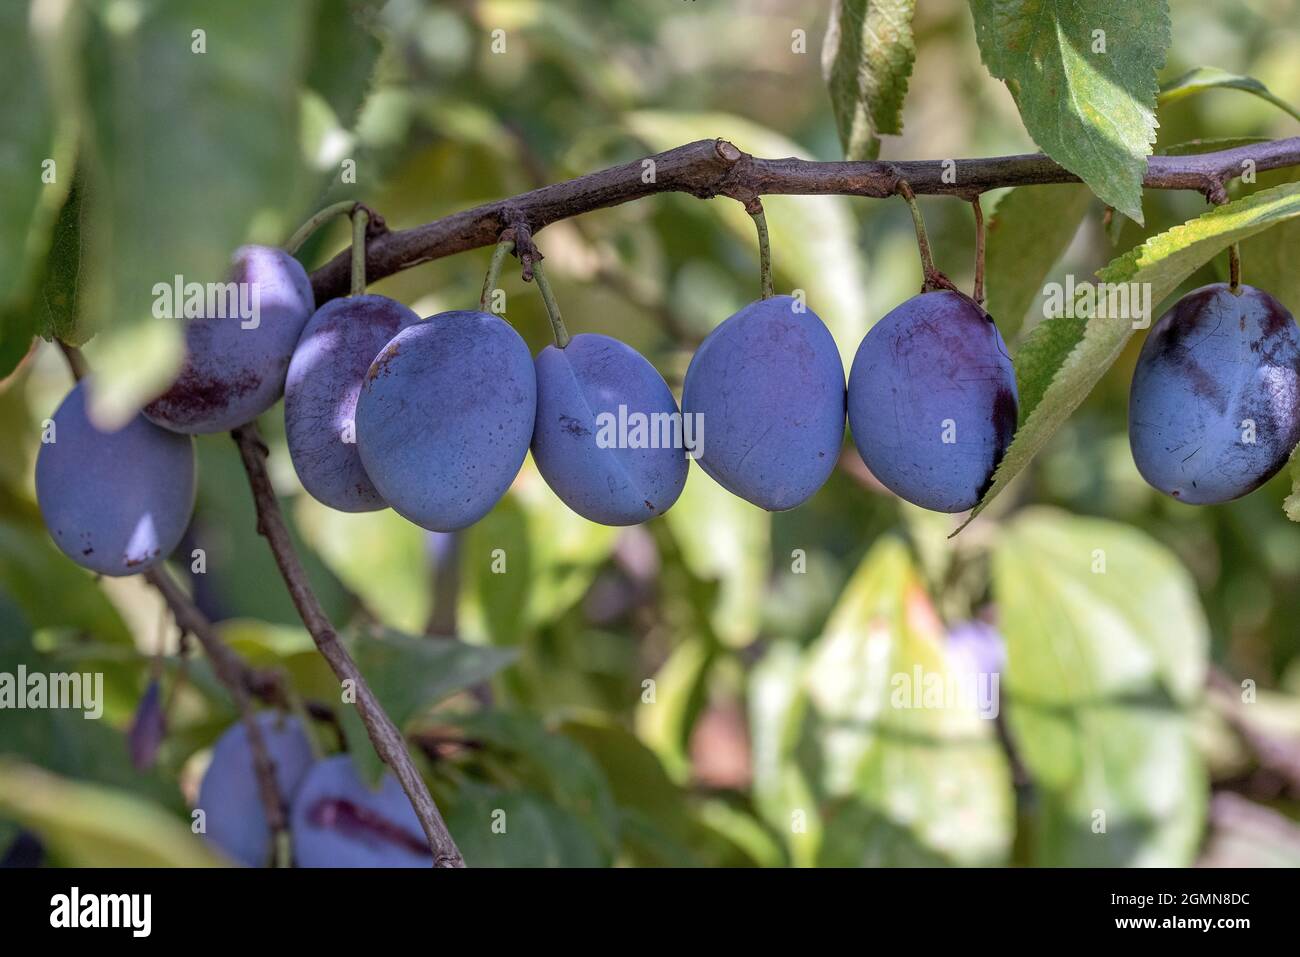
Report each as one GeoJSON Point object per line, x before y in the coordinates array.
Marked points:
{"type": "Point", "coordinates": [434, 417]}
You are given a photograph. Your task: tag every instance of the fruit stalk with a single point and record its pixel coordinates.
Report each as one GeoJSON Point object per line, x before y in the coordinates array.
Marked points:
{"type": "Point", "coordinates": [933, 279]}
{"type": "Point", "coordinates": [978, 288]}
{"type": "Point", "coordinates": [755, 210]}
{"type": "Point", "coordinates": [552, 307]}
{"type": "Point", "coordinates": [384, 735]}
{"type": "Point", "coordinates": [307, 229]}
{"type": "Point", "coordinates": [503, 249]}
{"type": "Point", "coordinates": [360, 219]}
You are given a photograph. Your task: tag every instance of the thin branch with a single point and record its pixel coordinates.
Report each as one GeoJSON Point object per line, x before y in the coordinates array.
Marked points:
{"type": "Point", "coordinates": [238, 678]}
{"type": "Point", "coordinates": [709, 168]}
{"type": "Point", "coordinates": [385, 736]}
{"type": "Point", "coordinates": [231, 670]}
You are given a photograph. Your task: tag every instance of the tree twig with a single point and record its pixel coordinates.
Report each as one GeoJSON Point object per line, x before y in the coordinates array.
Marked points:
{"type": "Point", "coordinates": [238, 678]}
{"type": "Point", "coordinates": [709, 168]}
{"type": "Point", "coordinates": [384, 735]}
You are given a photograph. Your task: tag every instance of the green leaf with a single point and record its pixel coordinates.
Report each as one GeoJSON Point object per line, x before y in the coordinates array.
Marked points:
{"type": "Point", "coordinates": [867, 58]}
{"type": "Point", "coordinates": [1268, 259]}
{"type": "Point", "coordinates": [1107, 649]}
{"type": "Point", "coordinates": [665, 723]}
{"type": "Point", "coordinates": [69, 741]}
{"type": "Point", "coordinates": [1211, 78]}
{"type": "Point", "coordinates": [528, 561]}
{"type": "Point", "coordinates": [36, 164]}
{"type": "Point", "coordinates": [1045, 350]}
{"type": "Point", "coordinates": [50, 589]}
{"type": "Point", "coordinates": [497, 567]}
{"type": "Point", "coordinates": [499, 828]}
{"type": "Point", "coordinates": [1162, 262]}
{"type": "Point", "coordinates": [409, 676]}
{"type": "Point", "coordinates": [636, 777]}
{"type": "Point", "coordinates": [378, 555]}
{"type": "Point", "coordinates": [1030, 230]}
{"type": "Point", "coordinates": [1091, 111]}
{"type": "Point", "coordinates": [813, 238]}
{"type": "Point", "coordinates": [32, 137]}
{"type": "Point", "coordinates": [58, 302]}
{"type": "Point", "coordinates": [552, 763]}
{"type": "Point", "coordinates": [172, 128]}
{"type": "Point", "coordinates": [1212, 145]}
{"type": "Point", "coordinates": [739, 828]}
{"type": "Point", "coordinates": [918, 780]}
{"type": "Point", "coordinates": [565, 550]}
{"type": "Point", "coordinates": [723, 538]}
{"type": "Point", "coordinates": [783, 791]}
{"type": "Point", "coordinates": [659, 823]}
{"type": "Point", "coordinates": [1291, 504]}
{"type": "Point", "coordinates": [87, 825]}
{"type": "Point", "coordinates": [344, 51]}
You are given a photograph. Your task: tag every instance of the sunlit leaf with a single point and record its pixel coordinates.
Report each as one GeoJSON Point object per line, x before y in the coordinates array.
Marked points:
{"type": "Point", "coordinates": [1100, 679]}
{"type": "Point", "coordinates": [723, 538]}
{"type": "Point", "coordinates": [664, 722]}
{"type": "Point", "coordinates": [867, 58]}
{"type": "Point", "coordinates": [1083, 73]}
{"type": "Point", "coordinates": [380, 556]}
{"type": "Point", "coordinates": [88, 825]}
{"type": "Point", "coordinates": [1212, 78]}
{"type": "Point", "coordinates": [915, 767]}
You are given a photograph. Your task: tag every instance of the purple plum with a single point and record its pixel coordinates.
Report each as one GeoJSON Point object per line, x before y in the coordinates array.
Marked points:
{"type": "Point", "coordinates": [1214, 409]}
{"type": "Point", "coordinates": [118, 502]}
{"type": "Point", "coordinates": [933, 401]}
{"type": "Point", "coordinates": [768, 386]}
{"type": "Point", "coordinates": [235, 364]}
{"type": "Point", "coordinates": [608, 436]}
{"type": "Point", "coordinates": [320, 396]}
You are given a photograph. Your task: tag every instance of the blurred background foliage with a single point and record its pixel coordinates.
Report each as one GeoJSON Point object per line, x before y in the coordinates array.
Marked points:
{"type": "Point", "coordinates": [712, 688]}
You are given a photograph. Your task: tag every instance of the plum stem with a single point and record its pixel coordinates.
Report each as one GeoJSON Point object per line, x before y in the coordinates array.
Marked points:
{"type": "Point", "coordinates": [978, 288]}
{"type": "Point", "coordinates": [755, 209]}
{"type": "Point", "coordinates": [1218, 195]}
{"type": "Point", "coordinates": [360, 220]}
{"type": "Point", "coordinates": [933, 278]}
{"type": "Point", "coordinates": [503, 248]}
{"type": "Point", "coordinates": [552, 307]}
{"type": "Point", "coordinates": [307, 229]}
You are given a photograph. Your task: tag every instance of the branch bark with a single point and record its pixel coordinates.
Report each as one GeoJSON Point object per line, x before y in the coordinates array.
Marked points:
{"type": "Point", "coordinates": [709, 168]}
{"type": "Point", "coordinates": [385, 736]}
